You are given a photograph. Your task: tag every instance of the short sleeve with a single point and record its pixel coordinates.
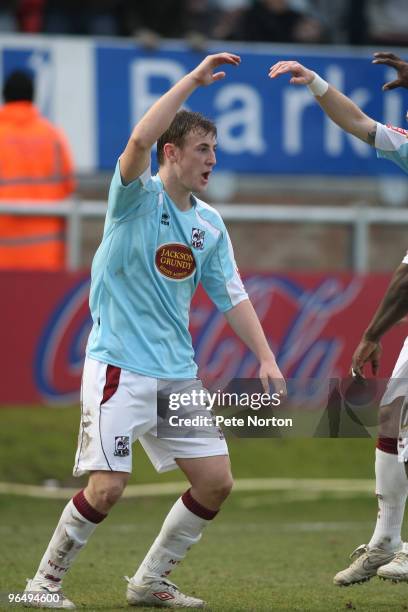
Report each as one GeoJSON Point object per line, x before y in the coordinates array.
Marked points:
{"type": "Point", "coordinates": [220, 277]}
{"type": "Point", "coordinates": [392, 143]}
{"type": "Point", "coordinates": [124, 199]}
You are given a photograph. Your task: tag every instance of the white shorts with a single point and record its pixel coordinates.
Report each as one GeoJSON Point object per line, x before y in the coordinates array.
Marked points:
{"type": "Point", "coordinates": [398, 388]}
{"type": "Point", "coordinates": [398, 383]}
{"type": "Point", "coordinates": [119, 407]}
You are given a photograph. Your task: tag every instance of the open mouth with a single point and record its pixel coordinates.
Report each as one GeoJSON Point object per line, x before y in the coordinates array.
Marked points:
{"type": "Point", "coordinates": [206, 175]}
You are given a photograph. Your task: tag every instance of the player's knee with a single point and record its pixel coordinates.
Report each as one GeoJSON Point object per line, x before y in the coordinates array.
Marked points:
{"type": "Point", "coordinates": [220, 487]}
{"type": "Point", "coordinates": [226, 487]}
{"type": "Point", "coordinates": [105, 492]}
{"type": "Point", "coordinates": [107, 496]}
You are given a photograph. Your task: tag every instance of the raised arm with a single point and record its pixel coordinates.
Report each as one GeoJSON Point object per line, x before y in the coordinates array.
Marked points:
{"type": "Point", "coordinates": [336, 105]}
{"type": "Point", "coordinates": [136, 156]}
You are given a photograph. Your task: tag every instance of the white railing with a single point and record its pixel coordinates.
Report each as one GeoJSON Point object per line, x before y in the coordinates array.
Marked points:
{"type": "Point", "coordinates": [358, 217]}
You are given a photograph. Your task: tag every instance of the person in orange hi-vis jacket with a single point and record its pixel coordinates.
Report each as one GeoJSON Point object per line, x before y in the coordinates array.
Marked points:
{"type": "Point", "coordinates": [35, 164]}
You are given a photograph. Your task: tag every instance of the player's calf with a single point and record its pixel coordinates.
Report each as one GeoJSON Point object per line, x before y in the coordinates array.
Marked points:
{"type": "Point", "coordinates": [211, 479]}
{"type": "Point", "coordinates": [105, 488]}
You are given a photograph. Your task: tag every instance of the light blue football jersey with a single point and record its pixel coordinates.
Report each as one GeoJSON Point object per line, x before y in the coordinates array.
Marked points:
{"type": "Point", "coordinates": [392, 143]}
{"type": "Point", "coordinates": [144, 274]}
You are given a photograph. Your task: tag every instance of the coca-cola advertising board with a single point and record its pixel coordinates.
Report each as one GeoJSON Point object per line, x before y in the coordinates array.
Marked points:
{"type": "Point", "coordinates": [313, 322]}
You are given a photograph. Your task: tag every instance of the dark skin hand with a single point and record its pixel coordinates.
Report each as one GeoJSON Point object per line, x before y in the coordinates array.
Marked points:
{"type": "Point", "coordinates": [368, 351]}
{"type": "Point", "coordinates": [390, 59]}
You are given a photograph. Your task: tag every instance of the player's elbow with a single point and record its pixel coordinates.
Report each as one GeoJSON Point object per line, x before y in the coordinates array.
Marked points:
{"type": "Point", "coordinates": [364, 128]}
{"type": "Point", "coordinates": [401, 282]}
{"type": "Point", "coordinates": [139, 143]}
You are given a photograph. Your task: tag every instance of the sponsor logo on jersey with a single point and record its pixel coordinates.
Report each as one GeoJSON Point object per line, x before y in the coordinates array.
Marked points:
{"type": "Point", "coordinates": [197, 238]}
{"type": "Point", "coordinates": [398, 129]}
{"type": "Point", "coordinates": [121, 446]}
{"type": "Point", "coordinates": [165, 219]}
{"type": "Point", "coordinates": [175, 261]}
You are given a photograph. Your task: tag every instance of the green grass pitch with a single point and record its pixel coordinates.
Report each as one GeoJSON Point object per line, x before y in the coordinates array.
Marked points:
{"type": "Point", "coordinates": [266, 551]}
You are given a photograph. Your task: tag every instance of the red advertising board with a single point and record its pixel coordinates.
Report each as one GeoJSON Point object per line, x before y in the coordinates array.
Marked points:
{"type": "Point", "coordinates": [312, 321]}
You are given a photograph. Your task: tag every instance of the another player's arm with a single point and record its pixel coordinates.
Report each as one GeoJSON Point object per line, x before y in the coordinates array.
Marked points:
{"type": "Point", "coordinates": [348, 115]}
{"type": "Point", "coordinates": [136, 156]}
{"type": "Point", "coordinates": [401, 66]}
{"type": "Point", "coordinates": [245, 323]}
{"type": "Point", "coordinates": [392, 309]}
{"type": "Point", "coordinates": [336, 105]}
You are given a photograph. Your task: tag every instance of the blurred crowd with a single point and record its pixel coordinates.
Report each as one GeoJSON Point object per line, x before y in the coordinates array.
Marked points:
{"type": "Point", "coordinates": [356, 22]}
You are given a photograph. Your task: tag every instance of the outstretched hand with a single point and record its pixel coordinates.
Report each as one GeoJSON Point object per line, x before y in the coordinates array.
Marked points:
{"type": "Point", "coordinates": [204, 73]}
{"type": "Point", "coordinates": [390, 59]}
{"type": "Point", "coordinates": [300, 74]}
{"type": "Point", "coordinates": [366, 352]}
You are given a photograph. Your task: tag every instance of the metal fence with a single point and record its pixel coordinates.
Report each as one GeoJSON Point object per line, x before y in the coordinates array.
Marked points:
{"type": "Point", "coordinates": [358, 217]}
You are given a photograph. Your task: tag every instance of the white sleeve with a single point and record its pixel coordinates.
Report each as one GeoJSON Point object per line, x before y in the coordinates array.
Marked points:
{"type": "Point", "coordinates": [220, 277]}
{"type": "Point", "coordinates": [392, 143]}
{"type": "Point", "coordinates": [390, 138]}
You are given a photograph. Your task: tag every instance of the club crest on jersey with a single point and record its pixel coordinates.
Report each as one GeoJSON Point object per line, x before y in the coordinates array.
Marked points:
{"type": "Point", "coordinates": [175, 261]}
{"type": "Point", "coordinates": [121, 446]}
{"type": "Point", "coordinates": [165, 219]}
{"type": "Point", "coordinates": [197, 238]}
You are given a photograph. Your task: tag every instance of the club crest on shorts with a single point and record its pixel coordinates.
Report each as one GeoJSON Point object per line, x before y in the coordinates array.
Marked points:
{"type": "Point", "coordinates": [197, 238]}
{"type": "Point", "coordinates": [121, 446]}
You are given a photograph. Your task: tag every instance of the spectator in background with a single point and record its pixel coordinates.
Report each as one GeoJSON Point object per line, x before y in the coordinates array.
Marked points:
{"type": "Point", "coordinates": [387, 22]}
{"type": "Point", "coordinates": [153, 18]}
{"type": "Point", "coordinates": [88, 17]}
{"type": "Point", "coordinates": [199, 21]}
{"type": "Point", "coordinates": [229, 13]}
{"type": "Point", "coordinates": [275, 21]}
{"type": "Point", "coordinates": [30, 15]}
{"type": "Point", "coordinates": [8, 21]}
{"type": "Point", "coordinates": [35, 164]}
{"type": "Point", "coordinates": [194, 20]}
{"type": "Point", "coordinates": [377, 22]}
{"type": "Point", "coordinates": [332, 16]}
